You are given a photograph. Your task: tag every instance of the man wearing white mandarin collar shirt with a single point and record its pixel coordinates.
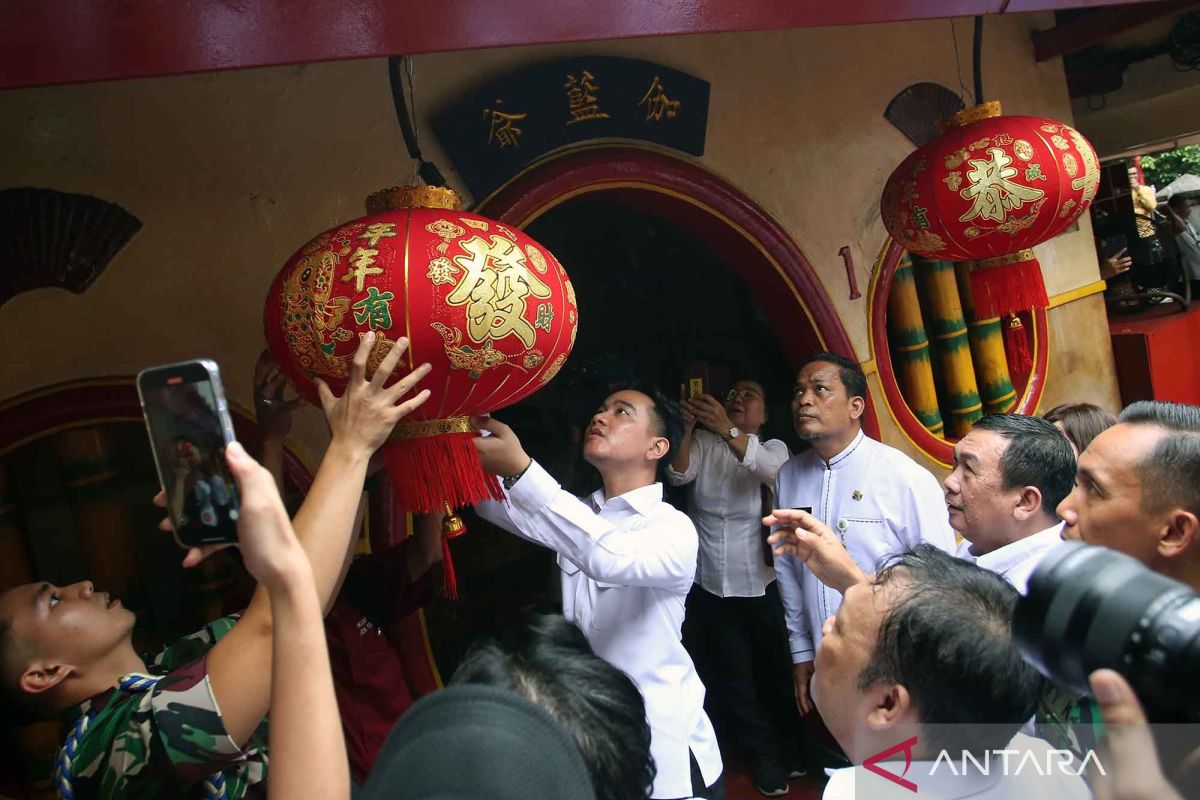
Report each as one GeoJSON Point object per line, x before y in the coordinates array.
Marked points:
{"type": "Point", "coordinates": [878, 501]}
{"type": "Point", "coordinates": [1010, 473]}
{"type": "Point", "coordinates": [627, 560]}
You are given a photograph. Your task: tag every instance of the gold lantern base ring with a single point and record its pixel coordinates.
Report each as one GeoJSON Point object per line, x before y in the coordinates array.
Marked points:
{"type": "Point", "coordinates": [419, 429]}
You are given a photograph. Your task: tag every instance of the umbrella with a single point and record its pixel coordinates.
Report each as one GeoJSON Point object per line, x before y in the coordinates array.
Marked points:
{"type": "Point", "coordinates": [1186, 185]}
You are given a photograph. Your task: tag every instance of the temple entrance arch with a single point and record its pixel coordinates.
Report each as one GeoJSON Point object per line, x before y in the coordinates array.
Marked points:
{"type": "Point", "coordinates": [751, 243]}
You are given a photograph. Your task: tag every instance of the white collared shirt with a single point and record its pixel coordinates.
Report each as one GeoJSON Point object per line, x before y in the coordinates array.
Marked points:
{"type": "Point", "coordinates": [1016, 561]}
{"type": "Point", "coordinates": [627, 565]}
{"type": "Point", "coordinates": [1034, 772]}
{"type": "Point", "coordinates": [726, 506]}
{"type": "Point", "coordinates": [877, 500]}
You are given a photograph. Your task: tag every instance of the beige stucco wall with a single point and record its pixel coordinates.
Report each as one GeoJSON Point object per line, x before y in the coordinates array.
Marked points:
{"type": "Point", "coordinates": [232, 171]}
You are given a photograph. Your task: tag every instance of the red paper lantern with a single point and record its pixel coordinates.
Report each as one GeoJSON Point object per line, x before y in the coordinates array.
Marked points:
{"type": "Point", "coordinates": [988, 190]}
{"type": "Point", "coordinates": [491, 310]}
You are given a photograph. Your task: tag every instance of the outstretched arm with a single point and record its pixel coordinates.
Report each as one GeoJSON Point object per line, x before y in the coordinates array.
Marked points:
{"type": "Point", "coordinates": [239, 666]}
{"type": "Point", "coordinates": [308, 753]}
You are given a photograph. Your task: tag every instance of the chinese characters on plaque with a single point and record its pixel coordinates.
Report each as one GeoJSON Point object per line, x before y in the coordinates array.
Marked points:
{"type": "Point", "coordinates": [495, 132]}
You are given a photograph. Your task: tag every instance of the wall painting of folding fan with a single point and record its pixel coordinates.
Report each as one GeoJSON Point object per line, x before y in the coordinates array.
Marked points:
{"type": "Point", "coordinates": [50, 238]}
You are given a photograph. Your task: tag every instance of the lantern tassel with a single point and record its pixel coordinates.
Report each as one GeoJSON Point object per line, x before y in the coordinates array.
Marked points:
{"type": "Point", "coordinates": [1007, 285]}
{"type": "Point", "coordinates": [429, 471]}
{"type": "Point", "coordinates": [452, 528]}
{"type": "Point", "coordinates": [1016, 348]}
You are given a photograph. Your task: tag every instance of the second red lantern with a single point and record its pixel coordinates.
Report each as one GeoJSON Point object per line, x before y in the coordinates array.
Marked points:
{"type": "Point", "coordinates": [987, 191]}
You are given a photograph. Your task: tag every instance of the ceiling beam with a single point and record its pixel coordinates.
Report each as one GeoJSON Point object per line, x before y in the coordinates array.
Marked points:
{"type": "Point", "coordinates": [1101, 25]}
{"type": "Point", "coordinates": [72, 41]}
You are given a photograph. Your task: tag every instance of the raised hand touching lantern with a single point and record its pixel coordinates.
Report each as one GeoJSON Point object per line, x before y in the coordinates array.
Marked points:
{"type": "Point", "coordinates": [986, 191]}
{"type": "Point", "coordinates": [491, 310]}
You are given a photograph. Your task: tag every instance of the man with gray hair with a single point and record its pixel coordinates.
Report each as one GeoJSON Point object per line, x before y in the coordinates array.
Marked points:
{"type": "Point", "coordinates": [1138, 489]}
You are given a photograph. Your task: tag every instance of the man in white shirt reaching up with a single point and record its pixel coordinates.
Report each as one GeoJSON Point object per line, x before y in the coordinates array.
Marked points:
{"type": "Point", "coordinates": [1010, 473]}
{"type": "Point", "coordinates": [628, 560]}
{"type": "Point", "coordinates": [878, 501]}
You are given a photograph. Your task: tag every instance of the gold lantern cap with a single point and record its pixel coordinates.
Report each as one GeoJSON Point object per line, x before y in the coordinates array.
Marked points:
{"type": "Point", "coordinates": [973, 114]}
{"type": "Point", "coordinates": [413, 197]}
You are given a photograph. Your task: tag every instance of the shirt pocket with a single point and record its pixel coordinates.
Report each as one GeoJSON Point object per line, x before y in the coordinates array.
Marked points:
{"type": "Point", "coordinates": [860, 528]}
{"type": "Point", "coordinates": [614, 605]}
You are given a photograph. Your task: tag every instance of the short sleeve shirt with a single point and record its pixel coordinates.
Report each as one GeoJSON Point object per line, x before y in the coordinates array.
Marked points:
{"type": "Point", "coordinates": [165, 741]}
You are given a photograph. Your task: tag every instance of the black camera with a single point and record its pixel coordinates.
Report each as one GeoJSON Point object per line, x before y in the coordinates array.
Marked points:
{"type": "Point", "coordinates": [1090, 608]}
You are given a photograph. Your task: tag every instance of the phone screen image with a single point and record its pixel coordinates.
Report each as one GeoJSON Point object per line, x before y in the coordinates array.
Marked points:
{"type": "Point", "coordinates": [188, 437]}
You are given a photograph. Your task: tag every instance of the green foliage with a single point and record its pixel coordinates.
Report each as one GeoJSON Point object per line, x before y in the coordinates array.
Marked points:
{"type": "Point", "coordinates": [1165, 167]}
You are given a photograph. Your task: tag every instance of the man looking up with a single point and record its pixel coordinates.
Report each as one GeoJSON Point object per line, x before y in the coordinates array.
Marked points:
{"type": "Point", "coordinates": [1010, 473]}
{"type": "Point", "coordinates": [877, 500]}
{"type": "Point", "coordinates": [628, 560]}
{"type": "Point", "coordinates": [1138, 489]}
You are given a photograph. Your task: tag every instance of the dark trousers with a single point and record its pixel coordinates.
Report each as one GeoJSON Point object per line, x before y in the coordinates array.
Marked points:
{"type": "Point", "coordinates": [740, 648]}
{"type": "Point", "coordinates": [699, 790]}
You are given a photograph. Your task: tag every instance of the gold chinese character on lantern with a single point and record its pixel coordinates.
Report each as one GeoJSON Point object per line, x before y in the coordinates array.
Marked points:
{"type": "Point", "coordinates": [504, 130]}
{"type": "Point", "coordinates": [991, 191]}
{"type": "Point", "coordinates": [582, 102]}
{"type": "Point", "coordinates": [362, 264]}
{"type": "Point", "coordinates": [494, 288]}
{"type": "Point", "coordinates": [377, 231]}
{"type": "Point", "coordinates": [657, 104]}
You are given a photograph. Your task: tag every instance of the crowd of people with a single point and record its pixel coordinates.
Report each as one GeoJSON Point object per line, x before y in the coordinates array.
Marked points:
{"type": "Point", "coordinates": [890, 599]}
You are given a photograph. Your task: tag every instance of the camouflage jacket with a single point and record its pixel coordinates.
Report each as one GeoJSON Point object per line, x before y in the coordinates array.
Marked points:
{"type": "Point", "coordinates": [163, 742]}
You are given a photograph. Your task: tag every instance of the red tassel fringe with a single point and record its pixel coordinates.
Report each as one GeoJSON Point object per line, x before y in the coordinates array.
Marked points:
{"type": "Point", "coordinates": [1016, 348]}
{"type": "Point", "coordinates": [432, 470]}
{"type": "Point", "coordinates": [448, 577]}
{"type": "Point", "coordinates": [1008, 289]}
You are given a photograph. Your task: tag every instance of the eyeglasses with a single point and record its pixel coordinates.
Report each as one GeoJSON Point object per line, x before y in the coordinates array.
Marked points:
{"type": "Point", "coordinates": [744, 394]}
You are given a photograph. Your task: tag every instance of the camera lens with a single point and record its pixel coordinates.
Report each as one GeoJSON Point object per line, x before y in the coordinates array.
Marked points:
{"type": "Point", "coordinates": [1089, 608]}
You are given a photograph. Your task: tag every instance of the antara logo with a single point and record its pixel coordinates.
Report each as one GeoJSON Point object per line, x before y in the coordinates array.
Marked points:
{"type": "Point", "coordinates": [872, 763]}
{"type": "Point", "coordinates": [1062, 762]}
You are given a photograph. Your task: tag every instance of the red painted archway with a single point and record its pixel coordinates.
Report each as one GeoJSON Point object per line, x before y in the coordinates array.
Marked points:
{"type": "Point", "coordinates": [748, 239]}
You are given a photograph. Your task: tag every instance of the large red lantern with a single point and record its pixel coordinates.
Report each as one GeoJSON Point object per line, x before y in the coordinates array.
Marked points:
{"type": "Point", "coordinates": [490, 309]}
{"type": "Point", "coordinates": [986, 191]}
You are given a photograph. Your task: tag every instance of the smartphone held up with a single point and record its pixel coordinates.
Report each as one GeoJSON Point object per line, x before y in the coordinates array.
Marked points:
{"type": "Point", "coordinates": [188, 420]}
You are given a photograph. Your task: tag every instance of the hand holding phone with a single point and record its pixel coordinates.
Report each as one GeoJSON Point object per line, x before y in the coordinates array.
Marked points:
{"type": "Point", "coordinates": [188, 421]}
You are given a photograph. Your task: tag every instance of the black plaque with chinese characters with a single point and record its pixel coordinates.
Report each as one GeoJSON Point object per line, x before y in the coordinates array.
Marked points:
{"type": "Point", "coordinates": [504, 126]}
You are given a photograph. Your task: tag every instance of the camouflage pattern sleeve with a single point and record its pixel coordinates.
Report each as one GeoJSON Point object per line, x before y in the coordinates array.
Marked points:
{"type": "Point", "coordinates": [165, 741]}
{"type": "Point", "coordinates": [191, 647]}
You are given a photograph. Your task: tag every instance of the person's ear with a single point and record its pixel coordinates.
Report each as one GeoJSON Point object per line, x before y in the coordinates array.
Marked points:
{"type": "Point", "coordinates": [858, 406]}
{"type": "Point", "coordinates": [659, 447]}
{"type": "Point", "coordinates": [42, 676]}
{"type": "Point", "coordinates": [891, 703]}
{"type": "Point", "coordinates": [1029, 503]}
{"type": "Point", "coordinates": [1180, 533]}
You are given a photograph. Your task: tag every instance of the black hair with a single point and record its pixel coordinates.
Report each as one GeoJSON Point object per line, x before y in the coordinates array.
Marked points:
{"type": "Point", "coordinates": [954, 619]}
{"type": "Point", "coordinates": [549, 661]}
{"type": "Point", "coordinates": [1171, 472]}
{"type": "Point", "coordinates": [1037, 455]}
{"type": "Point", "coordinates": [668, 419]}
{"type": "Point", "coordinates": [1081, 422]}
{"type": "Point", "coordinates": [852, 375]}
{"type": "Point", "coordinates": [15, 705]}
{"type": "Point", "coordinates": [1177, 201]}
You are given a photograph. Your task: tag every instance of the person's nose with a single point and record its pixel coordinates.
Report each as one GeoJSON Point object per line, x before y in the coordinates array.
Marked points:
{"type": "Point", "coordinates": [82, 589]}
{"type": "Point", "coordinates": [951, 483]}
{"type": "Point", "coordinates": [1066, 509]}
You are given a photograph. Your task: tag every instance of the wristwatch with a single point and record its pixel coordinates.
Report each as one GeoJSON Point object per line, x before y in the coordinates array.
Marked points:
{"type": "Point", "coordinates": [733, 434]}
{"type": "Point", "coordinates": [510, 480]}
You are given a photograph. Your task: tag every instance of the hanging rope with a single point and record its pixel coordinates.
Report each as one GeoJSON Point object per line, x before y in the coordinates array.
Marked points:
{"type": "Point", "coordinates": [64, 776]}
{"type": "Point", "coordinates": [977, 57]}
{"type": "Point", "coordinates": [398, 68]}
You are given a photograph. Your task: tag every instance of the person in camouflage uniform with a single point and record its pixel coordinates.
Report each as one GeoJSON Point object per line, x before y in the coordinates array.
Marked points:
{"type": "Point", "coordinates": [69, 650]}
